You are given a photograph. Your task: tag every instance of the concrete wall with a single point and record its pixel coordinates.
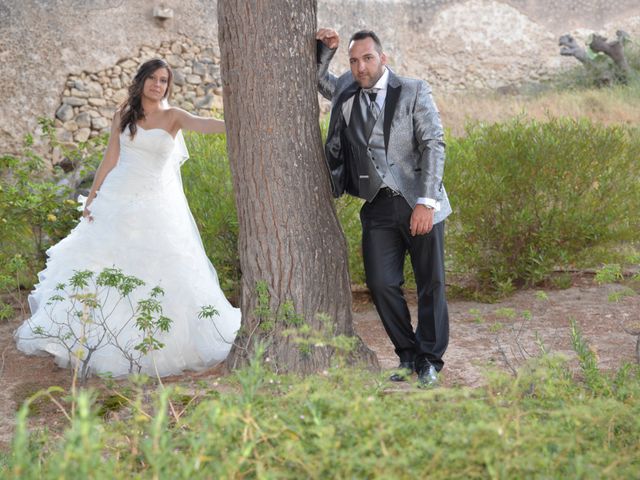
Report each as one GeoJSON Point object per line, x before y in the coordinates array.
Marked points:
{"type": "Point", "coordinates": [455, 44]}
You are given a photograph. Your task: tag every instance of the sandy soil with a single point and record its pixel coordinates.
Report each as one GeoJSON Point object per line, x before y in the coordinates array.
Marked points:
{"type": "Point", "coordinates": [483, 336]}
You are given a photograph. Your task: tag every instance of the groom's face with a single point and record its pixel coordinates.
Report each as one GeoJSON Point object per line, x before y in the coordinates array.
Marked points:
{"type": "Point", "coordinates": [367, 63]}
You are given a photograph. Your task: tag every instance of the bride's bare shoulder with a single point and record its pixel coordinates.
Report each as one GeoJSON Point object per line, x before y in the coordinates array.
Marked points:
{"type": "Point", "coordinates": [176, 112]}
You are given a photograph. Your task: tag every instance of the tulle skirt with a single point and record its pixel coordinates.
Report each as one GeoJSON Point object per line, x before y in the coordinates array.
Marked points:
{"type": "Point", "coordinates": [147, 233]}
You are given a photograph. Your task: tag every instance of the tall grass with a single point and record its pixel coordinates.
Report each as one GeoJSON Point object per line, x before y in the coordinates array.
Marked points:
{"type": "Point", "coordinates": [618, 105]}
{"type": "Point", "coordinates": [544, 423]}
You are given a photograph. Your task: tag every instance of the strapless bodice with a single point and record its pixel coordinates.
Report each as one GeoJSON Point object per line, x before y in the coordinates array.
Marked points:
{"type": "Point", "coordinates": [149, 152]}
{"type": "Point", "coordinates": [147, 165]}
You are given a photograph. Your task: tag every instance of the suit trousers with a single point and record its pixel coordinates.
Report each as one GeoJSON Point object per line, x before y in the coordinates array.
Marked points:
{"type": "Point", "coordinates": [386, 239]}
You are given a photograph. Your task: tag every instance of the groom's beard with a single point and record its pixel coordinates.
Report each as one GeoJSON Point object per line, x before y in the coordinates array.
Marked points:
{"type": "Point", "coordinates": [368, 81]}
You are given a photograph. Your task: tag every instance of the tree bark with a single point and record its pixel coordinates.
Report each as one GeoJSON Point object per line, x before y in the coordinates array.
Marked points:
{"type": "Point", "coordinates": [570, 48]}
{"type": "Point", "coordinates": [290, 238]}
{"type": "Point", "coordinates": [601, 73]}
{"type": "Point", "coordinates": [615, 50]}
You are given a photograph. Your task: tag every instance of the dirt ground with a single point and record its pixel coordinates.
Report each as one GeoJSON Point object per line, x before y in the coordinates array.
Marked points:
{"type": "Point", "coordinates": [482, 336]}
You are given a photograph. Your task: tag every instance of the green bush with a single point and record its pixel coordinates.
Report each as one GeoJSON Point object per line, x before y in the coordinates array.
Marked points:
{"type": "Point", "coordinates": [209, 189]}
{"type": "Point", "coordinates": [36, 205]}
{"type": "Point", "coordinates": [37, 209]}
{"type": "Point", "coordinates": [528, 196]}
{"type": "Point", "coordinates": [543, 423]}
{"type": "Point", "coordinates": [35, 212]}
{"type": "Point", "coordinates": [348, 208]}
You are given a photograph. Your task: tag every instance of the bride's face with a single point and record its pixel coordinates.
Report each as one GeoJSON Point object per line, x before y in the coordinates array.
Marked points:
{"type": "Point", "coordinates": [156, 84]}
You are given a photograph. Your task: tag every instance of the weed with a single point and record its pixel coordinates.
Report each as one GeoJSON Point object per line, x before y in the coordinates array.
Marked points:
{"type": "Point", "coordinates": [618, 295]}
{"type": "Point", "coordinates": [609, 274]}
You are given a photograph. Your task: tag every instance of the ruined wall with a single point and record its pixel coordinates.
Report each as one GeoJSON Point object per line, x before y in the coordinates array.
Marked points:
{"type": "Point", "coordinates": [43, 42]}
{"type": "Point", "coordinates": [468, 44]}
{"type": "Point", "coordinates": [90, 99]}
{"type": "Point", "coordinates": [76, 52]}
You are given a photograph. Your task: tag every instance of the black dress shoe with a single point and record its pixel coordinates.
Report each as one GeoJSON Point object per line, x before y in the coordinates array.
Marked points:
{"type": "Point", "coordinates": [427, 376]}
{"type": "Point", "coordinates": [405, 369]}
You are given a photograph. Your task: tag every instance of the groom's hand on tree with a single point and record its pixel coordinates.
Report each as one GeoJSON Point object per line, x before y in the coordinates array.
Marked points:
{"type": "Point", "coordinates": [329, 37]}
{"type": "Point", "coordinates": [421, 220]}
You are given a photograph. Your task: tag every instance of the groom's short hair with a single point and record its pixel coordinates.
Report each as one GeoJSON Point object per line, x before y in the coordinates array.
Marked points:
{"type": "Point", "coordinates": [362, 34]}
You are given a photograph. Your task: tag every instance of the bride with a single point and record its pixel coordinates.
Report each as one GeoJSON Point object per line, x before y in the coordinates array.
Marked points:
{"type": "Point", "coordinates": [136, 219]}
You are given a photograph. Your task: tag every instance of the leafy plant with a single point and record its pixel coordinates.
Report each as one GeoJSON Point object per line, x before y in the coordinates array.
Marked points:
{"type": "Point", "coordinates": [80, 319]}
{"type": "Point", "coordinates": [37, 203]}
{"type": "Point", "coordinates": [32, 209]}
{"type": "Point", "coordinates": [609, 274]}
{"type": "Point", "coordinates": [588, 360]}
{"type": "Point", "coordinates": [506, 312]}
{"type": "Point", "coordinates": [477, 315]}
{"type": "Point", "coordinates": [620, 294]}
{"type": "Point", "coordinates": [542, 296]}
{"type": "Point", "coordinates": [562, 281]}
{"type": "Point", "coordinates": [10, 281]}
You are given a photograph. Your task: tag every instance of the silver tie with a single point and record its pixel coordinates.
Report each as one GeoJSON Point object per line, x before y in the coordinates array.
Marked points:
{"type": "Point", "coordinates": [374, 109]}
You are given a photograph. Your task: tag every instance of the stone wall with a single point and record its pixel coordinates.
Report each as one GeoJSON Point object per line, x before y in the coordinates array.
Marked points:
{"type": "Point", "coordinates": [73, 58]}
{"type": "Point", "coordinates": [46, 43]}
{"type": "Point", "coordinates": [90, 99]}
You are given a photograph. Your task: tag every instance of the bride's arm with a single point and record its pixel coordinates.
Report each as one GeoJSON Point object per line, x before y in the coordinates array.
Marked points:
{"type": "Point", "coordinates": [186, 121]}
{"type": "Point", "coordinates": [109, 161]}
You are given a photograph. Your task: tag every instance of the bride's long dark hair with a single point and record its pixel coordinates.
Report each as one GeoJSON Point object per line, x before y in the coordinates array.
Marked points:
{"type": "Point", "coordinates": [131, 109]}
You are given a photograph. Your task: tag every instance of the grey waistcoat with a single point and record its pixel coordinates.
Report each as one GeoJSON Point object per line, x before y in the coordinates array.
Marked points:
{"type": "Point", "coordinates": [369, 152]}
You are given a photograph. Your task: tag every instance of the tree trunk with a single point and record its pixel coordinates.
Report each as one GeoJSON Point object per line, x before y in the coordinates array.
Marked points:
{"type": "Point", "coordinates": [615, 50]}
{"type": "Point", "coordinates": [290, 242]}
{"type": "Point", "coordinates": [570, 48]}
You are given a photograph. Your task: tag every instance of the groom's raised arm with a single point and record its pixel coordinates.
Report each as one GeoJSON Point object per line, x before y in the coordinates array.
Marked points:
{"type": "Point", "coordinates": [327, 44]}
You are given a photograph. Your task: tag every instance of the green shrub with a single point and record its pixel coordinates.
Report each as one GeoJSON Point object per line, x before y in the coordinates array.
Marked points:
{"type": "Point", "coordinates": [348, 208]}
{"type": "Point", "coordinates": [37, 209]}
{"type": "Point", "coordinates": [609, 274]}
{"type": "Point", "coordinates": [528, 196]}
{"type": "Point", "coordinates": [209, 189]}
{"type": "Point", "coordinates": [35, 212]}
{"type": "Point", "coordinates": [36, 205]}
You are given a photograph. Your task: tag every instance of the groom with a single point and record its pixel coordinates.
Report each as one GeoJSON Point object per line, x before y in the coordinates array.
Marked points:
{"type": "Point", "coordinates": [385, 145]}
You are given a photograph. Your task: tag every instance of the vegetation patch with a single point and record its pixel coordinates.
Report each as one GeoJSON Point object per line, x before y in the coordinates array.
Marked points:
{"type": "Point", "coordinates": [543, 422]}
{"type": "Point", "coordinates": [529, 196]}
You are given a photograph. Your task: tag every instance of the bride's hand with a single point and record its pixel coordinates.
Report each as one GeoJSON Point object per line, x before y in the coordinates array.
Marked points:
{"type": "Point", "coordinates": [86, 213]}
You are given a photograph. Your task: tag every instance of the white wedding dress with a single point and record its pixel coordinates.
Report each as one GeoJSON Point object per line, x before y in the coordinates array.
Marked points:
{"type": "Point", "coordinates": [143, 226]}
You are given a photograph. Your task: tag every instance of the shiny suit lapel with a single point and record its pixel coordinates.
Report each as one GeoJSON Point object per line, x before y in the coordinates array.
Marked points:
{"type": "Point", "coordinates": [348, 92]}
{"type": "Point", "coordinates": [393, 94]}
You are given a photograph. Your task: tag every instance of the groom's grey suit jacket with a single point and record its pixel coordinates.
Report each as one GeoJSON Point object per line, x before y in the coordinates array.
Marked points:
{"type": "Point", "coordinates": [413, 139]}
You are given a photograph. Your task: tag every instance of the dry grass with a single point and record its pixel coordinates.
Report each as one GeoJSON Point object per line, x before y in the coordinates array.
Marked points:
{"type": "Point", "coordinates": [619, 105]}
